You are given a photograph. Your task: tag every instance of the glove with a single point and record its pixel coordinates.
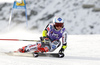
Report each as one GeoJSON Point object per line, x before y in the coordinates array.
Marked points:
{"type": "Point", "coordinates": [61, 50]}
{"type": "Point", "coordinates": [46, 40]}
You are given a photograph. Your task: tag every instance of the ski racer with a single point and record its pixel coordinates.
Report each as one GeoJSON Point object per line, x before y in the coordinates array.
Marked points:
{"type": "Point", "coordinates": [50, 39]}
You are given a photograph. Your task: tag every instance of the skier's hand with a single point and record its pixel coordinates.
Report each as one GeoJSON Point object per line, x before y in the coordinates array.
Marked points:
{"type": "Point", "coordinates": [46, 40]}
{"type": "Point", "coordinates": [61, 50]}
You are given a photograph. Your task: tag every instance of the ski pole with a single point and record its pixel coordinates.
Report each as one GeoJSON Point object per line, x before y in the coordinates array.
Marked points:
{"type": "Point", "coordinates": [19, 40]}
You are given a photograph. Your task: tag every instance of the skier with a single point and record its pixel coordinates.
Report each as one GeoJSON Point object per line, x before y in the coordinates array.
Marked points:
{"type": "Point", "coordinates": [50, 39]}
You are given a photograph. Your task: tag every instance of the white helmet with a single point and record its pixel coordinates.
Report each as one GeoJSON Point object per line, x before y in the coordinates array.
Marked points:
{"type": "Point", "coordinates": [58, 21]}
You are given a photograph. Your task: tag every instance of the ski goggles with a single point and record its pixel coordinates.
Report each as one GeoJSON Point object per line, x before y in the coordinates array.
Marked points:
{"type": "Point", "coordinates": [58, 24]}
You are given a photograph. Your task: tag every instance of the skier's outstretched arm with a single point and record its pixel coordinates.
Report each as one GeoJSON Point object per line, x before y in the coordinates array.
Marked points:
{"type": "Point", "coordinates": [64, 42]}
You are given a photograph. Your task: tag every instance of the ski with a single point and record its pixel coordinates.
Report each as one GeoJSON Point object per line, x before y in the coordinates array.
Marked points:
{"type": "Point", "coordinates": [31, 54]}
{"type": "Point", "coordinates": [58, 55]}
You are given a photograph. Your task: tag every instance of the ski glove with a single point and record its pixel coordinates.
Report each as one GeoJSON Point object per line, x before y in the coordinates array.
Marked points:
{"type": "Point", "coordinates": [63, 48]}
{"type": "Point", "coordinates": [45, 40]}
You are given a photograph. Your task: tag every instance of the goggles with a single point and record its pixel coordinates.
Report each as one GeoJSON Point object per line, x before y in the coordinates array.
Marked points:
{"type": "Point", "coordinates": [58, 24]}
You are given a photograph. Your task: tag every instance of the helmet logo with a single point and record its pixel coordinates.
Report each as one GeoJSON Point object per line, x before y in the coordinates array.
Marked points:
{"type": "Point", "coordinates": [59, 19]}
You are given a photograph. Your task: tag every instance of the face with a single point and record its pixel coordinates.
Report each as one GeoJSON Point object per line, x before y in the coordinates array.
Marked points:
{"type": "Point", "coordinates": [59, 28]}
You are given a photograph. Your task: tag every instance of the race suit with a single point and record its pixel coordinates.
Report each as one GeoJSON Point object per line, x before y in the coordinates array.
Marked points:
{"type": "Point", "coordinates": [54, 36]}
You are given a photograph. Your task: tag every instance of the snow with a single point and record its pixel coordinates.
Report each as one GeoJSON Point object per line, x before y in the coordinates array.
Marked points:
{"type": "Point", "coordinates": [81, 50]}
{"type": "Point", "coordinates": [10, 1]}
{"type": "Point", "coordinates": [78, 20]}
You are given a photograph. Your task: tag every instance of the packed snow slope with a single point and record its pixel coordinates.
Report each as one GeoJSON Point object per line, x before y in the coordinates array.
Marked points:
{"type": "Point", "coordinates": [81, 50]}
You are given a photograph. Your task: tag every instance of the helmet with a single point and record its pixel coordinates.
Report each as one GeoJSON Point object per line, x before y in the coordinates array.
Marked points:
{"type": "Point", "coordinates": [58, 22]}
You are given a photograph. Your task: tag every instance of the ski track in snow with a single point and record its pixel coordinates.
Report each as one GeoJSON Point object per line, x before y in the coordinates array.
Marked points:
{"type": "Point", "coordinates": [81, 50]}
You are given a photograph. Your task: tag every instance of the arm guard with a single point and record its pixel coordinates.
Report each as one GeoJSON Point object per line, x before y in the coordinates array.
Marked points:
{"type": "Point", "coordinates": [44, 33]}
